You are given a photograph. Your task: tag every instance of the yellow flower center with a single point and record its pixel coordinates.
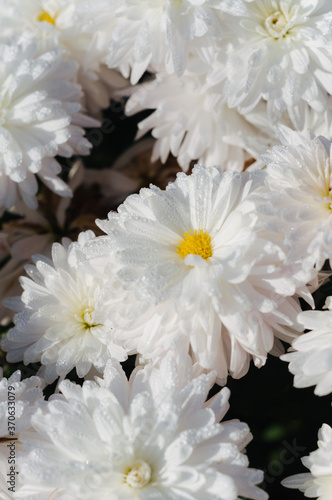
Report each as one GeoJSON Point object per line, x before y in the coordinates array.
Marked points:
{"type": "Point", "coordinates": [330, 195]}
{"type": "Point", "coordinates": [277, 25]}
{"type": "Point", "coordinates": [196, 243]}
{"type": "Point", "coordinates": [44, 16]}
{"type": "Point", "coordinates": [139, 475]}
{"type": "Point", "coordinates": [85, 318]}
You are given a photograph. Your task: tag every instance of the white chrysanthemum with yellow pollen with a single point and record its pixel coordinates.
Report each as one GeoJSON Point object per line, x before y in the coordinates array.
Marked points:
{"type": "Point", "coordinates": [61, 319]}
{"type": "Point", "coordinates": [40, 117]}
{"type": "Point", "coordinates": [311, 361]}
{"type": "Point", "coordinates": [192, 267]}
{"type": "Point", "coordinates": [152, 437]}
{"type": "Point", "coordinates": [280, 51]}
{"type": "Point", "coordinates": [318, 482]}
{"type": "Point", "coordinates": [300, 181]}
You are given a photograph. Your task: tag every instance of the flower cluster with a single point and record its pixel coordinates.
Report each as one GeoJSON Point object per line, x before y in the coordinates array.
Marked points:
{"type": "Point", "coordinates": [199, 272]}
{"type": "Point", "coordinates": [264, 62]}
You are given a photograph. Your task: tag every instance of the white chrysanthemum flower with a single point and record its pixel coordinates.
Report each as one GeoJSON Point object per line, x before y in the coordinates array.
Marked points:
{"type": "Point", "coordinates": [39, 119]}
{"type": "Point", "coordinates": [281, 52]}
{"type": "Point", "coordinates": [152, 437]}
{"type": "Point", "coordinates": [158, 34]}
{"type": "Point", "coordinates": [299, 181]}
{"type": "Point", "coordinates": [191, 123]}
{"type": "Point", "coordinates": [58, 23]}
{"type": "Point", "coordinates": [62, 320]}
{"type": "Point", "coordinates": [311, 363]}
{"type": "Point", "coordinates": [191, 265]}
{"type": "Point", "coordinates": [318, 482]}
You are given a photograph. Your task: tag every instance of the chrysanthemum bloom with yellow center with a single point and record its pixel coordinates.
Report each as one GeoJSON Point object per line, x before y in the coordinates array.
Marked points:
{"type": "Point", "coordinates": [191, 269]}
{"type": "Point", "coordinates": [153, 437]}
{"type": "Point", "coordinates": [61, 321]}
{"type": "Point", "coordinates": [280, 51]}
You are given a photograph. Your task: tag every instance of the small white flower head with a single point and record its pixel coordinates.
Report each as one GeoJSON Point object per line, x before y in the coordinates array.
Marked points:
{"type": "Point", "coordinates": [61, 320]}
{"type": "Point", "coordinates": [39, 119]}
{"type": "Point", "coordinates": [300, 180]}
{"type": "Point", "coordinates": [280, 51]}
{"type": "Point", "coordinates": [311, 354]}
{"type": "Point", "coordinates": [152, 437]}
{"type": "Point", "coordinates": [190, 265]}
{"type": "Point", "coordinates": [191, 123]}
{"type": "Point", "coordinates": [58, 23]}
{"type": "Point", "coordinates": [318, 482]}
{"type": "Point", "coordinates": [21, 398]}
{"type": "Point", "coordinates": [160, 35]}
